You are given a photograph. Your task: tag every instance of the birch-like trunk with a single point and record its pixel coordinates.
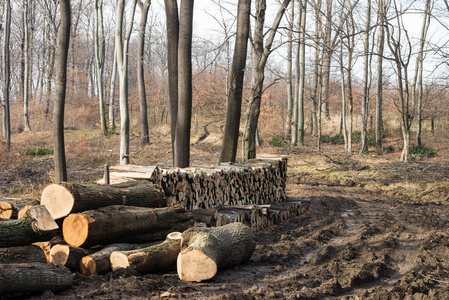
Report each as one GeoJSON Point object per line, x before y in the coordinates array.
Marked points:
{"type": "Point", "coordinates": [26, 75]}
{"type": "Point", "coordinates": [302, 72]}
{"type": "Point", "coordinates": [99, 60]}
{"type": "Point", "coordinates": [379, 96]}
{"type": "Point", "coordinates": [288, 119]}
{"type": "Point", "coordinates": [365, 96]}
{"type": "Point", "coordinates": [6, 73]}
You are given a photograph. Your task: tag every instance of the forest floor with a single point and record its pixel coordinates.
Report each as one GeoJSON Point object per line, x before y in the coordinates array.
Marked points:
{"type": "Point", "coordinates": [375, 229]}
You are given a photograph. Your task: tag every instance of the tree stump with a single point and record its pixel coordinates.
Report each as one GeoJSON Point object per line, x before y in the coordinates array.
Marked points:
{"type": "Point", "coordinates": [150, 259]}
{"type": "Point", "coordinates": [65, 198]}
{"type": "Point", "coordinates": [207, 249]}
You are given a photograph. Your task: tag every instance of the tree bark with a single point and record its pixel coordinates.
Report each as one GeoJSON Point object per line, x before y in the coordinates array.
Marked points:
{"type": "Point", "coordinates": [34, 277]}
{"type": "Point", "coordinates": [100, 47]}
{"type": "Point", "coordinates": [37, 225]}
{"type": "Point", "coordinates": [171, 13]}
{"type": "Point", "coordinates": [144, 134]}
{"type": "Point", "coordinates": [112, 93]}
{"type": "Point", "coordinates": [207, 249]}
{"type": "Point", "coordinates": [6, 74]}
{"type": "Point", "coordinates": [22, 254]}
{"type": "Point", "coordinates": [184, 115]}
{"type": "Point", "coordinates": [379, 96]}
{"type": "Point", "coordinates": [26, 62]}
{"type": "Point", "coordinates": [234, 106]}
{"type": "Point", "coordinates": [63, 199]}
{"type": "Point", "coordinates": [151, 259]}
{"type": "Point", "coordinates": [365, 96]}
{"type": "Point", "coordinates": [116, 223]}
{"type": "Point", "coordinates": [288, 119]}
{"type": "Point", "coordinates": [60, 93]}
{"type": "Point", "coordinates": [302, 72]}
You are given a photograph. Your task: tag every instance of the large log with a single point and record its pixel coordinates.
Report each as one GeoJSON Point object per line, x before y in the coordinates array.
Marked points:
{"type": "Point", "coordinates": [22, 254]}
{"type": "Point", "coordinates": [115, 223]}
{"type": "Point", "coordinates": [37, 225]}
{"type": "Point", "coordinates": [150, 259]}
{"type": "Point", "coordinates": [10, 207]}
{"type": "Point", "coordinates": [99, 262]}
{"type": "Point", "coordinates": [34, 277]}
{"type": "Point", "coordinates": [65, 198]}
{"type": "Point", "coordinates": [207, 249]}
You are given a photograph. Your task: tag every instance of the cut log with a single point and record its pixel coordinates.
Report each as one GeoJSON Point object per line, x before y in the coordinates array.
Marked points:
{"type": "Point", "coordinates": [10, 207]}
{"type": "Point", "coordinates": [68, 256]}
{"type": "Point", "coordinates": [34, 277]}
{"type": "Point", "coordinates": [23, 211]}
{"type": "Point", "coordinates": [47, 245]}
{"type": "Point", "coordinates": [150, 259]}
{"type": "Point", "coordinates": [99, 262]}
{"type": "Point", "coordinates": [207, 249]}
{"type": "Point", "coordinates": [115, 223]}
{"type": "Point", "coordinates": [37, 225]}
{"type": "Point", "coordinates": [6, 210]}
{"type": "Point", "coordinates": [22, 254]}
{"type": "Point", "coordinates": [65, 198]}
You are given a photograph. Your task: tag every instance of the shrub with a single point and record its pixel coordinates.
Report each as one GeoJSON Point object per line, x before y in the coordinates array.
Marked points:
{"type": "Point", "coordinates": [422, 151]}
{"type": "Point", "coordinates": [278, 141]}
{"type": "Point", "coordinates": [388, 149]}
{"type": "Point", "coordinates": [70, 128]}
{"type": "Point", "coordinates": [39, 151]}
{"type": "Point", "coordinates": [337, 139]}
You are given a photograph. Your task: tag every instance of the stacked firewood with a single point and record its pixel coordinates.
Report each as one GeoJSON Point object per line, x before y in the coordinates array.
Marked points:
{"type": "Point", "coordinates": [258, 181]}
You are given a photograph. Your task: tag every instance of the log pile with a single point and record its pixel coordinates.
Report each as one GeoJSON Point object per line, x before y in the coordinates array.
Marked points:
{"type": "Point", "coordinates": [258, 181]}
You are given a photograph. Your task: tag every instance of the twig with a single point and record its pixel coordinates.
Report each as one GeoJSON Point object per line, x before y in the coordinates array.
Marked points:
{"type": "Point", "coordinates": [433, 279]}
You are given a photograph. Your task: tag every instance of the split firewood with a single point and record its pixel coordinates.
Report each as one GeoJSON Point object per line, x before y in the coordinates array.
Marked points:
{"type": "Point", "coordinates": [65, 198]}
{"type": "Point", "coordinates": [207, 249]}
{"type": "Point", "coordinates": [22, 254]}
{"type": "Point", "coordinates": [99, 262]}
{"type": "Point", "coordinates": [67, 255]}
{"type": "Point", "coordinates": [37, 225]}
{"type": "Point", "coordinates": [150, 259]}
{"type": "Point", "coordinates": [119, 223]}
{"type": "Point", "coordinates": [34, 277]}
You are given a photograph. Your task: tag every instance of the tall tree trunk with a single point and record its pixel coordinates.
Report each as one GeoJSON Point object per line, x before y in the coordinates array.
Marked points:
{"type": "Point", "coordinates": [327, 57]}
{"type": "Point", "coordinates": [260, 55]}
{"type": "Point", "coordinates": [184, 117]}
{"type": "Point", "coordinates": [365, 97]}
{"type": "Point", "coordinates": [60, 92]}
{"type": "Point", "coordinates": [26, 60]}
{"type": "Point", "coordinates": [112, 92]}
{"type": "Point", "coordinates": [294, 138]}
{"type": "Point", "coordinates": [122, 46]}
{"type": "Point", "coordinates": [379, 97]}
{"type": "Point", "coordinates": [302, 72]}
{"type": "Point", "coordinates": [6, 73]}
{"type": "Point", "coordinates": [343, 99]}
{"type": "Point", "coordinates": [234, 106]}
{"type": "Point", "coordinates": [418, 85]}
{"type": "Point", "coordinates": [288, 119]}
{"type": "Point", "coordinates": [99, 60]}
{"type": "Point", "coordinates": [144, 134]}
{"type": "Point", "coordinates": [171, 12]}
{"type": "Point", "coordinates": [316, 68]}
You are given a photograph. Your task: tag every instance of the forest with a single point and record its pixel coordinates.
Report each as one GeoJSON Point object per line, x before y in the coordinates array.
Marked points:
{"type": "Point", "coordinates": [353, 92]}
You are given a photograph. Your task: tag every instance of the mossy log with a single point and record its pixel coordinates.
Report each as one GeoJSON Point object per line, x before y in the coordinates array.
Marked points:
{"type": "Point", "coordinates": [22, 254]}
{"type": "Point", "coordinates": [65, 198]}
{"type": "Point", "coordinates": [67, 255]}
{"type": "Point", "coordinates": [33, 277]}
{"type": "Point", "coordinates": [99, 262]}
{"type": "Point", "coordinates": [207, 249]}
{"type": "Point", "coordinates": [116, 223]}
{"type": "Point", "coordinates": [151, 259]}
{"type": "Point", "coordinates": [37, 225]}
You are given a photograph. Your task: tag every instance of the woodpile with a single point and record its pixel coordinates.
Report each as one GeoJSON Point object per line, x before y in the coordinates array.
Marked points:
{"type": "Point", "coordinates": [258, 181]}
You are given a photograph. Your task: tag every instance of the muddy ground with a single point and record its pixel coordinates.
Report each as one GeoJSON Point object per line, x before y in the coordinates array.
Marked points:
{"type": "Point", "coordinates": [375, 229]}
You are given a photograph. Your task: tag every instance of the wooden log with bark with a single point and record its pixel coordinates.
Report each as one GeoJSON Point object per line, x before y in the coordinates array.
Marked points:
{"type": "Point", "coordinates": [65, 198]}
{"type": "Point", "coordinates": [120, 223]}
{"type": "Point", "coordinates": [10, 207]}
{"type": "Point", "coordinates": [151, 259]}
{"type": "Point", "coordinates": [67, 255]}
{"type": "Point", "coordinates": [37, 225]}
{"type": "Point", "coordinates": [22, 254]}
{"type": "Point", "coordinates": [207, 249]}
{"type": "Point", "coordinates": [33, 277]}
{"type": "Point", "coordinates": [99, 262]}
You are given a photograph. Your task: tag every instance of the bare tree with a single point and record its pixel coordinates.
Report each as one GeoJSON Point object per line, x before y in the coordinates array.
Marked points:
{"type": "Point", "coordinates": [234, 105]}
{"type": "Point", "coordinates": [302, 70]}
{"type": "Point", "coordinates": [111, 113]}
{"type": "Point", "coordinates": [100, 47]}
{"type": "Point", "coordinates": [365, 96]}
{"type": "Point", "coordinates": [6, 73]}
{"type": "Point", "coordinates": [26, 63]}
{"type": "Point", "coordinates": [60, 92]}
{"type": "Point", "coordinates": [122, 46]}
{"type": "Point", "coordinates": [144, 134]}
{"type": "Point", "coordinates": [288, 120]}
{"type": "Point", "coordinates": [259, 59]}
{"type": "Point", "coordinates": [381, 16]}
